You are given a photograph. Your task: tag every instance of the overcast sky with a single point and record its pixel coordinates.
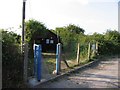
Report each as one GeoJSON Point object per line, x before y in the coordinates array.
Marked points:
{"type": "Point", "coordinates": [91, 15]}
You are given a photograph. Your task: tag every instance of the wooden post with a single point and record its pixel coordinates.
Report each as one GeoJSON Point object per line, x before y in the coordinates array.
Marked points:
{"type": "Point", "coordinates": [65, 61]}
{"type": "Point", "coordinates": [25, 62]}
{"type": "Point", "coordinates": [78, 54]}
{"type": "Point", "coordinates": [89, 51]}
{"type": "Point", "coordinates": [96, 48]}
{"type": "Point", "coordinates": [93, 49]}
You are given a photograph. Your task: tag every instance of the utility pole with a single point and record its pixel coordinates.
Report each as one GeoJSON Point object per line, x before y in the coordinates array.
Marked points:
{"type": "Point", "coordinates": [23, 26]}
{"type": "Point", "coordinates": [119, 16]}
{"type": "Point", "coordinates": [24, 52]}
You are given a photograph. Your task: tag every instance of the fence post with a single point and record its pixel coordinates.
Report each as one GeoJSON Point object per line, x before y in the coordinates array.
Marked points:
{"type": "Point", "coordinates": [93, 50]}
{"type": "Point", "coordinates": [37, 61]}
{"type": "Point", "coordinates": [60, 53]}
{"type": "Point", "coordinates": [58, 58]}
{"type": "Point", "coordinates": [89, 51]}
{"type": "Point", "coordinates": [96, 48]}
{"type": "Point", "coordinates": [78, 54]}
{"type": "Point", "coordinates": [25, 62]}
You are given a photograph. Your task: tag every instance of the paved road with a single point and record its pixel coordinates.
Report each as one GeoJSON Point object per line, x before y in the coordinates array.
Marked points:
{"type": "Point", "coordinates": [104, 75]}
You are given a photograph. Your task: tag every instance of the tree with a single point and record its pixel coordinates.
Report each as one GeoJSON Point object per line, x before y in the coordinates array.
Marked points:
{"type": "Point", "coordinates": [113, 36]}
{"type": "Point", "coordinates": [113, 39]}
{"type": "Point", "coordinates": [109, 43]}
{"type": "Point", "coordinates": [33, 29]}
{"type": "Point", "coordinates": [70, 36]}
{"type": "Point", "coordinates": [74, 29]}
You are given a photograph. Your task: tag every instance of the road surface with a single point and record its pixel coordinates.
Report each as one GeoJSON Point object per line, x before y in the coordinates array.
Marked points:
{"type": "Point", "coordinates": [104, 75]}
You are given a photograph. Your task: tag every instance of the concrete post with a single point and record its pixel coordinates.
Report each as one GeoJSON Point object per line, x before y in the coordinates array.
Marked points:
{"type": "Point", "coordinates": [37, 61]}
{"type": "Point", "coordinates": [58, 59]}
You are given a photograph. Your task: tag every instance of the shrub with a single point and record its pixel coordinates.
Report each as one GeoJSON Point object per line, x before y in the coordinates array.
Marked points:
{"type": "Point", "coordinates": [12, 63]}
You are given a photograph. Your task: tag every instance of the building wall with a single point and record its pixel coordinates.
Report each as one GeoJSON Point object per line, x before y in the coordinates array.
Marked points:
{"type": "Point", "coordinates": [49, 43]}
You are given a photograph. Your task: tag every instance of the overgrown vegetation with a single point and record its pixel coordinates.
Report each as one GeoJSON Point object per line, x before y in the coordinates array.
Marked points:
{"type": "Point", "coordinates": [108, 43]}
{"type": "Point", "coordinates": [71, 35]}
{"type": "Point", "coordinates": [12, 63]}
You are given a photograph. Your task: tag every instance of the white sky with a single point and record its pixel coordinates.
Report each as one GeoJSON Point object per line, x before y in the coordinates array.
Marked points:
{"type": "Point", "coordinates": [91, 15]}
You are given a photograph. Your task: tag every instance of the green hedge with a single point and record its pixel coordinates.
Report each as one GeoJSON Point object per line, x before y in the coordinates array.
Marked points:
{"type": "Point", "coordinates": [12, 63]}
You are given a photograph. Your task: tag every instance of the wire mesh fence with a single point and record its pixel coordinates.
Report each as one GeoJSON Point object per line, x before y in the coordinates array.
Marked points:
{"type": "Point", "coordinates": [68, 60]}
